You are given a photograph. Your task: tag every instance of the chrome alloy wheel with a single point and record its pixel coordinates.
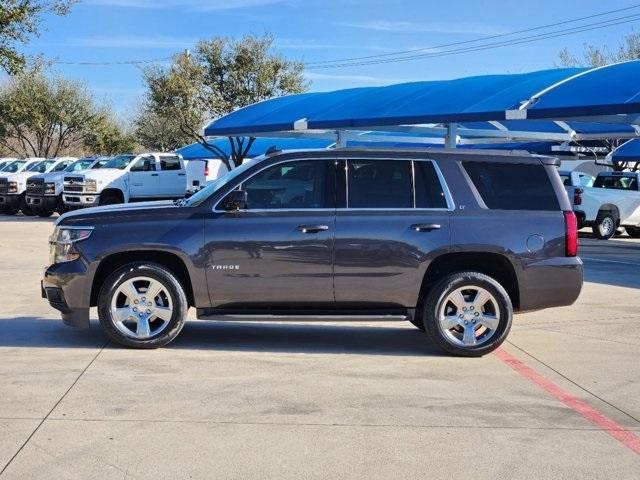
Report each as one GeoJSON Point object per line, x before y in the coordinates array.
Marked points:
{"type": "Point", "coordinates": [606, 226]}
{"type": "Point", "coordinates": [141, 307]}
{"type": "Point", "coordinates": [469, 316]}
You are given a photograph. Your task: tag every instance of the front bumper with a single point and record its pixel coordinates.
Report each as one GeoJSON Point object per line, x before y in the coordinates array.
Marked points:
{"type": "Point", "coordinates": [44, 202]}
{"type": "Point", "coordinates": [67, 287]}
{"type": "Point", "coordinates": [10, 201]}
{"type": "Point", "coordinates": [554, 282]}
{"type": "Point", "coordinates": [81, 199]}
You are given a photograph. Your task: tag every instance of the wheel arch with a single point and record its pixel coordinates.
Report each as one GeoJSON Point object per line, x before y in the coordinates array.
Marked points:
{"type": "Point", "coordinates": [169, 260]}
{"type": "Point", "coordinates": [495, 265]}
{"type": "Point", "coordinates": [114, 191]}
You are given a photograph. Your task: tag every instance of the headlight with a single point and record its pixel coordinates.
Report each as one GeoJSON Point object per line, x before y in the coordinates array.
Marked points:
{"type": "Point", "coordinates": [13, 187]}
{"type": "Point", "coordinates": [90, 186]}
{"type": "Point", "coordinates": [62, 240]}
{"type": "Point", "coordinates": [49, 188]}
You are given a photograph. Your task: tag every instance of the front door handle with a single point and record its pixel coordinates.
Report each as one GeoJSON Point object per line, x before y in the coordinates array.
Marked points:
{"type": "Point", "coordinates": [312, 228]}
{"type": "Point", "coordinates": [154, 174]}
{"type": "Point", "coordinates": [425, 227]}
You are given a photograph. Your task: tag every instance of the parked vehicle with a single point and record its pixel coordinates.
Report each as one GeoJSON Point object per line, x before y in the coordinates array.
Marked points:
{"type": "Point", "coordinates": [44, 192]}
{"type": "Point", "coordinates": [12, 184]}
{"type": "Point", "coordinates": [130, 178]}
{"type": "Point", "coordinates": [606, 202]}
{"type": "Point", "coordinates": [452, 241]}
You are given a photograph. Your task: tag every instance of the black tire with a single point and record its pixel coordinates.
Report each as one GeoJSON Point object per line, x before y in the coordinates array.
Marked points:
{"type": "Point", "coordinates": [25, 208]}
{"type": "Point", "coordinates": [61, 208]}
{"type": "Point", "coordinates": [109, 199]}
{"type": "Point", "coordinates": [417, 322]}
{"type": "Point", "coordinates": [43, 213]}
{"type": "Point", "coordinates": [633, 232]}
{"type": "Point", "coordinates": [605, 225]}
{"type": "Point", "coordinates": [436, 298]}
{"type": "Point", "coordinates": [169, 283]}
{"type": "Point", "coordinates": [10, 210]}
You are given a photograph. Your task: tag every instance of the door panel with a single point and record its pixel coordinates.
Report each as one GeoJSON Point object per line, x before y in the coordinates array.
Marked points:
{"type": "Point", "coordinates": [143, 178]}
{"type": "Point", "coordinates": [277, 252]}
{"type": "Point", "coordinates": [172, 177]}
{"type": "Point", "coordinates": [381, 256]}
{"type": "Point", "coordinates": [389, 231]}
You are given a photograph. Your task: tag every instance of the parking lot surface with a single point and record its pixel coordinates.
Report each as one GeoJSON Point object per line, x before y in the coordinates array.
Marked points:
{"type": "Point", "coordinates": [560, 399]}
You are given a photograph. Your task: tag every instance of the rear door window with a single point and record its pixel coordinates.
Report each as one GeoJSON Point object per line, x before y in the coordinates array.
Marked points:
{"type": "Point", "coordinates": [169, 163]}
{"type": "Point", "coordinates": [511, 186]}
{"type": "Point", "coordinates": [379, 184]}
{"type": "Point", "coordinates": [428, 188]}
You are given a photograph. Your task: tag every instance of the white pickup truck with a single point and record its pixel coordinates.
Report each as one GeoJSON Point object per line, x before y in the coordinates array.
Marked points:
{"type": "Point", "coordinates": [131, 178]}
{"type": "Point", "coordinates": [44, 192]}
{"type": "Point", "coordinates": [13, 183]}
{"type": "Point", "coordinates": [610, 200]}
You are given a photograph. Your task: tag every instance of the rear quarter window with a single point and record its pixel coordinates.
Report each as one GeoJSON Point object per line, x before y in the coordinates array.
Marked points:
{"type": "Point", "coordinates": [510, 186]}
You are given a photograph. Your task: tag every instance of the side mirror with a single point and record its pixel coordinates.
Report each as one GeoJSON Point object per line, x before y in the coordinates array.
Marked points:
{"type": "Point", "coordinates": [236, 200]}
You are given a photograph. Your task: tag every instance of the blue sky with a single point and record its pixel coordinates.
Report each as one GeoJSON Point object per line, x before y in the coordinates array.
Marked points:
{"type": "Point", "coordinates": [309, 30]}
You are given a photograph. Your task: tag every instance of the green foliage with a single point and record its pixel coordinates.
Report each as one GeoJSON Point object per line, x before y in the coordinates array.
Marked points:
{"type": "Point", "coordinates": [221, 76]}
{"type": "Point", "coordinates": [595, 56]}
{"type": "Point", "coordinates": [43, 116]}
{"type": "Point", "coordinates": [19, 21]}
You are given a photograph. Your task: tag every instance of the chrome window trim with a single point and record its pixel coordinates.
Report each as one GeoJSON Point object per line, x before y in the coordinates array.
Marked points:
{"type": "Point", "coordinates": [443, 185]}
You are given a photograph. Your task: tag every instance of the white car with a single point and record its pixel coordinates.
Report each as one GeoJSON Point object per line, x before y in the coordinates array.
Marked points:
{"type": "Point", "coordinates": [13, 186]}
{"type": "Point", "coordinates": [44, 192]}
{"type": "Point", "coordinates": [610, 200]}
{"type": "Point", "coordinates": [129, 178]}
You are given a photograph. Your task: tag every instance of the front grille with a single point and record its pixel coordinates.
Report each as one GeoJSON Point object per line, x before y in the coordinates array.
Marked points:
{"type": "Point", "coordinates": [4, 183]}
{"type": "Point", "coordinates": [73, 184]}
{"type": "Point", "coordinates": [35, 186]}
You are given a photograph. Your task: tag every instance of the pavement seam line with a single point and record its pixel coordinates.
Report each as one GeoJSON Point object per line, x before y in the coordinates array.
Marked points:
{"type": "Point", "coordinates": [574, 382]}
{"type": "Point", "coordinates": [73, 384]}
{"type": "Point", "coordinates": [626, 437]}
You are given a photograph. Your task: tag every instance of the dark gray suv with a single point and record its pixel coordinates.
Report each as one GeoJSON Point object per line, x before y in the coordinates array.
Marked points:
{"type": "Point", "coordinates": [454, 242]}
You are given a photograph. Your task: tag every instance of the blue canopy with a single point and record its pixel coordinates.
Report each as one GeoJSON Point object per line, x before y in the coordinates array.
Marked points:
{"type": "Point", "coordinates": [627, 152]}
{"type": "Point", "coordinates": [553, 104]}
{"type": "Point", "coordinates": [259, 146]}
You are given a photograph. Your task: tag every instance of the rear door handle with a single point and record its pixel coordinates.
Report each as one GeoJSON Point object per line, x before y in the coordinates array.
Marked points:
{"type": "Point", "coordinates": [425, 227]}
{"type": "Point", "coordinates": [154, 174]}
{"type": "Point", "coordinates": [312, 228]}
{"type": "Point", "coordinates": [181, 174]}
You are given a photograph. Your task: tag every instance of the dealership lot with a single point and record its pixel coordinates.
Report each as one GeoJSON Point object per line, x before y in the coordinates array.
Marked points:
{"type": "Point", "coordinates": [368, 400]}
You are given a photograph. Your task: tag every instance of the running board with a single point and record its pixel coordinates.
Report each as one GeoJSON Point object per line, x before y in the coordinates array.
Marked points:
{"type": "Point", "coordinates": [222, 315]}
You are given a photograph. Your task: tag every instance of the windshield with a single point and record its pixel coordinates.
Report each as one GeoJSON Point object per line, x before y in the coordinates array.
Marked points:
{"type": "Point", "coordinates": [41, 167]}
{"type": "Point", "coordinates": [14, 167]}
{"type": "Point", "coordinates": [120, 162]}
{"type": "Point", "coordinates": [616, 182]}
{"type": "Point", "coordinates": [60, 167]}
{"type": "Point", "coordinates": [216, 185]}
{"type": "Point", "coordinates": [79, 165]}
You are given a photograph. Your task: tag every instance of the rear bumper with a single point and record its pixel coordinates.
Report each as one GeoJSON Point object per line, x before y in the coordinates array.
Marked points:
{"type": "Point", "coordinates": [65, 286]}
{"type": "Point", "coordinates": [81, 200]}
{"type": "Point", "coordinates": [45, 202]}
{"type": "Point", "coordinates": [554, 282]}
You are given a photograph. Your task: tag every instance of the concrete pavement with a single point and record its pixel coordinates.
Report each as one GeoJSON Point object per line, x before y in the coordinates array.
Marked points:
{"type": "Point", "coordinates": [264, 400]}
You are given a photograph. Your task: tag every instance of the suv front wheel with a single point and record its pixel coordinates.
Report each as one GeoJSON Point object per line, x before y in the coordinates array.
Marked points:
{"type": "Point", "coordinates": [467, 314]}
{"type": "Point", "coordinates": [142, 305]}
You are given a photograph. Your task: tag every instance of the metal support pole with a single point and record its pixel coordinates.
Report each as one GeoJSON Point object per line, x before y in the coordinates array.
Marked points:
{"type": "Point", "coordinates": [451, 137]}
{"type": "Point", "coordinates": [341, 139]}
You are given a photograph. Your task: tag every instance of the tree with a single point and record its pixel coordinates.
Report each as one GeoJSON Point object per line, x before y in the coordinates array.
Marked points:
{"type": "Point", "coordinates": [19, 21]}
{"type": "Point", "coordinates": [109, 138]}
{"type": "Point", "coordinates": [43, 116]}
{"type": "Point", "coordinates": [158, 132]}
{"type": "Point", "coordinates": [595, 56]}
{"type": "Point", "coordinates": [222, 76]}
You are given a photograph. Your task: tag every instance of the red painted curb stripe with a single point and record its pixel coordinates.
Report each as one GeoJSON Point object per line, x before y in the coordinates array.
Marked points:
{"type": "Point", "coordinates": [617, 431]}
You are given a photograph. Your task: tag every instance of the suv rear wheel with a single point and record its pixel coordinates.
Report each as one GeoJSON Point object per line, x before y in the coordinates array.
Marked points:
{"type": "Point", "coordinates": [467, 314]}
{"type": "Point", "coordinates": [142, 305]}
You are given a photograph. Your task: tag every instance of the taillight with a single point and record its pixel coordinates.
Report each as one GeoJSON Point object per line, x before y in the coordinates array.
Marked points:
{"type": "Point", "coordinates": [571, 234]}
{"type": "Point", "coordinates": [577, 196]}
{"type": "Point", "coordinates": [206, 169]}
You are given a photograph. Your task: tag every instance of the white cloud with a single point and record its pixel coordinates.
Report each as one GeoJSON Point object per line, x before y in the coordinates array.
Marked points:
{"type": "Point", "coordinates": [203, 5]}
{"type": "Point", "coordinates": [130, 41]}
{"type": "Point", "coordinates": [433, 27]}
